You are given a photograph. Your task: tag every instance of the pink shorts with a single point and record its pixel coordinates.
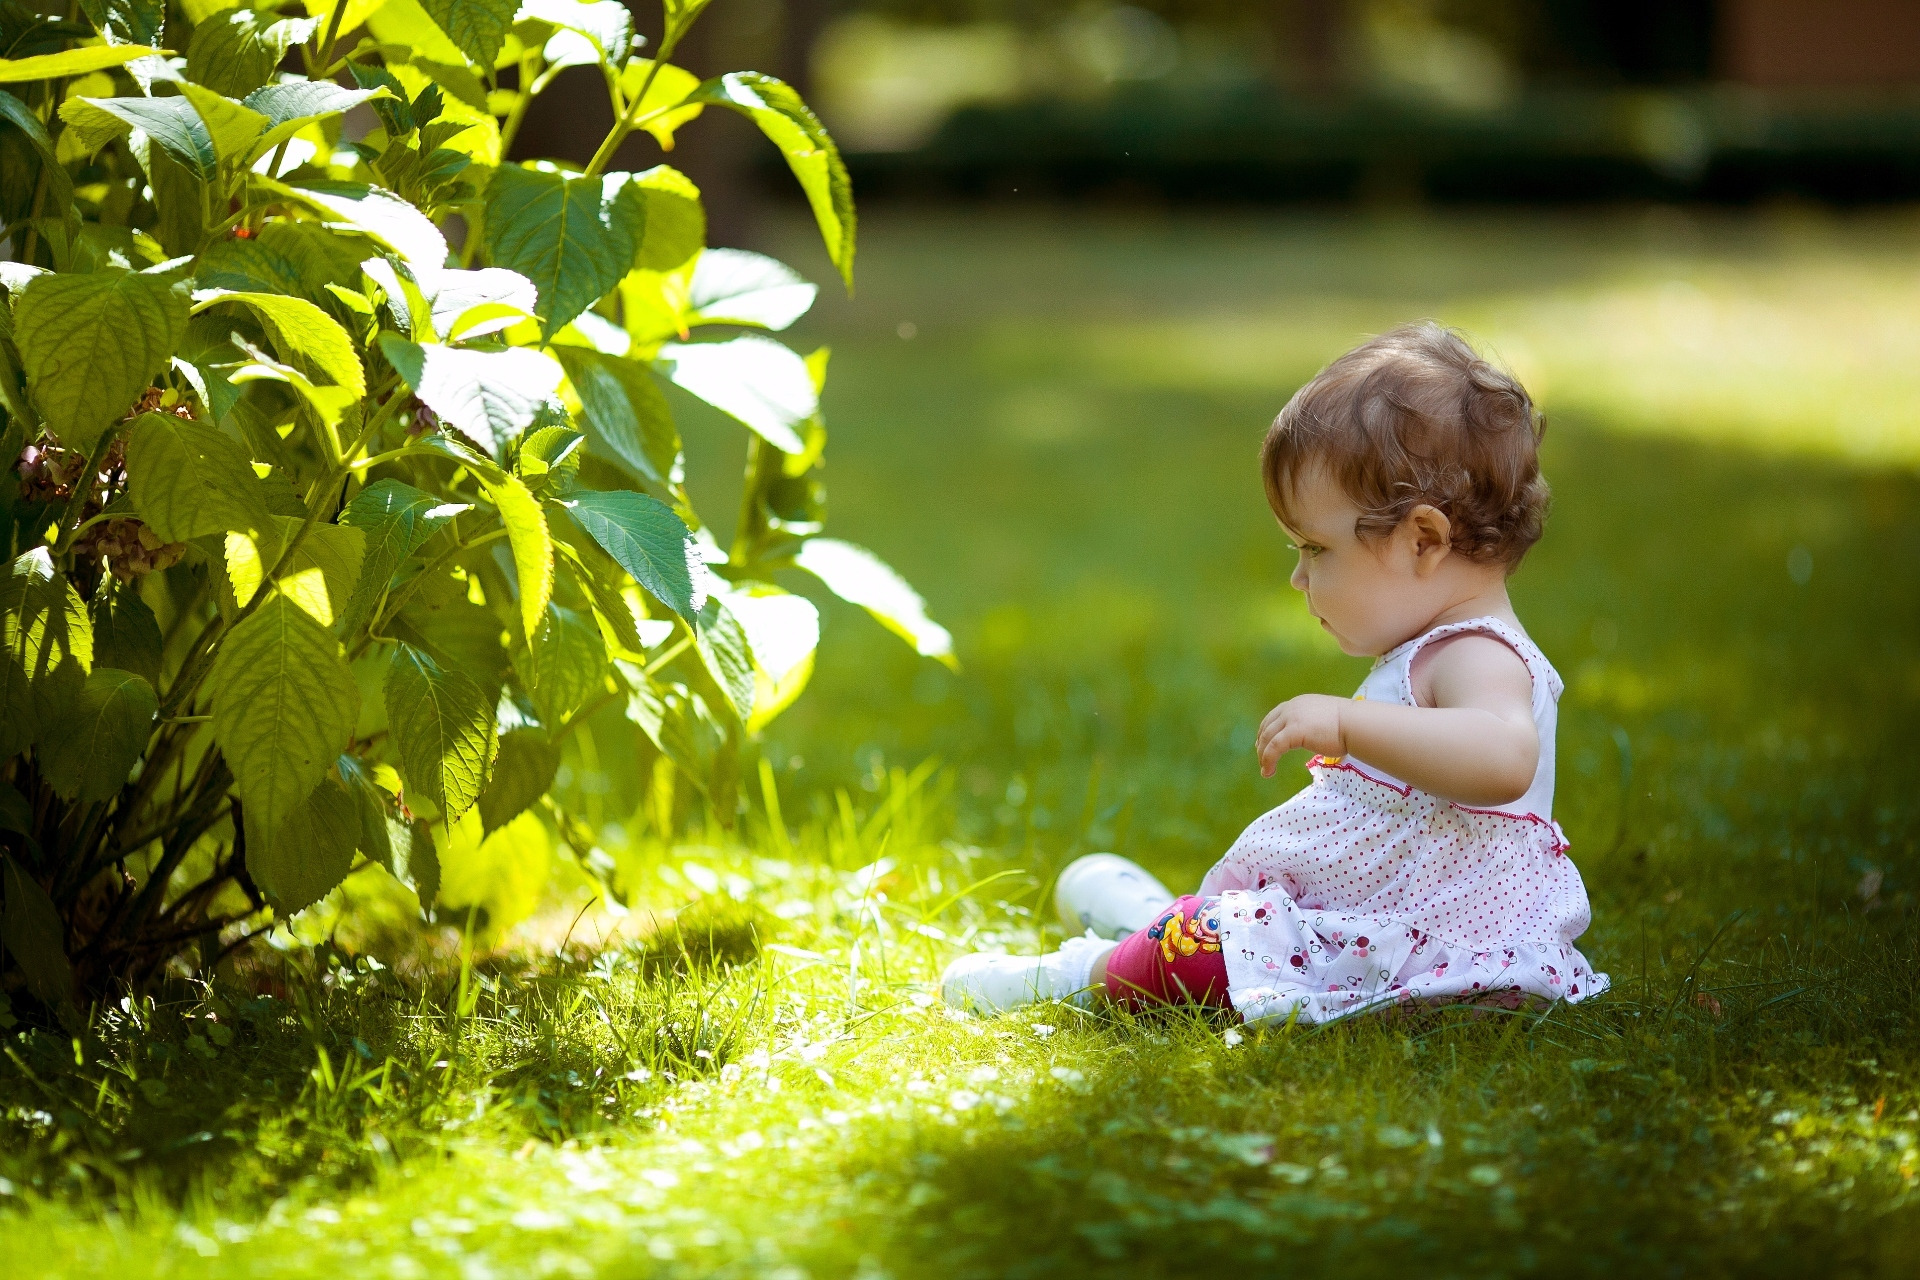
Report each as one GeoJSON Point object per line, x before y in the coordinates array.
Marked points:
{"type": "Point", "coordinates": [1175, 960]}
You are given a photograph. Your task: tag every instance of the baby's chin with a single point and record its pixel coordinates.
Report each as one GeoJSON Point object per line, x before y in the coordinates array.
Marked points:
{"type": "Point", "coordinates": [1351, 647]}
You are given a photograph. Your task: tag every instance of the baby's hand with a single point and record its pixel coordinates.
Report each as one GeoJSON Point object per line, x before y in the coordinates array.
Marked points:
{"type": "Point", "coordinates": [1311, 720]}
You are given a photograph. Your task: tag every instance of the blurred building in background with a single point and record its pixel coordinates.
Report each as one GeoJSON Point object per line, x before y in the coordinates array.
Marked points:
{"type": "Point", "coordinates": [1326, 100]}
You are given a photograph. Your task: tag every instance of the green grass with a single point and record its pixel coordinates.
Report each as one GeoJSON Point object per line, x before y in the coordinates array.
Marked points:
{"type": "Point", "coordinates": [1062, 458]}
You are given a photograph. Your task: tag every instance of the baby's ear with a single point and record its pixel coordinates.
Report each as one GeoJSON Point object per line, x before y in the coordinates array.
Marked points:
{"type": "Point", "coordinates": [1432, 534]}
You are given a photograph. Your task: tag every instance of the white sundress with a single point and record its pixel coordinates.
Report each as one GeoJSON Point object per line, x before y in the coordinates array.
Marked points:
{"type": "Point", "coordinates": [1363, 891]}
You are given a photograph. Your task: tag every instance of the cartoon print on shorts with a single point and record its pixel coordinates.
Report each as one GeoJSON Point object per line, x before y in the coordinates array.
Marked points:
{"type": "Point", "coordinates": [1198, 932]}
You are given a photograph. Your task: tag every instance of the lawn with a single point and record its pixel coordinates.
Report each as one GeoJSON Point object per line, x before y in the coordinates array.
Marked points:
{"type": "Point", "coordinates": [1049, 423]}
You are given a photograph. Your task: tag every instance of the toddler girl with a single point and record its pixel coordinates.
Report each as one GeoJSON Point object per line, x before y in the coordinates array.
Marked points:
{"type": "Point", "coordinates": [1423, 862]}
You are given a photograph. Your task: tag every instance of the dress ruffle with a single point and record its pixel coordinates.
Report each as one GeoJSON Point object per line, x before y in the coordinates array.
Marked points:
{"type": "Point", "coordinates": [1355, 894]}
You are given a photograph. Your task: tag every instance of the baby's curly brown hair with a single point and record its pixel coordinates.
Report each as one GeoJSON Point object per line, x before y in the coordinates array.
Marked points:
{"type": "Point", "coordinates": [1417, 416]}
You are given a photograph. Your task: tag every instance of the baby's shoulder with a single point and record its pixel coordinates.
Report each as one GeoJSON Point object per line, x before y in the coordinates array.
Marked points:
{"type": "Point", "coordinates": [1470, 669]}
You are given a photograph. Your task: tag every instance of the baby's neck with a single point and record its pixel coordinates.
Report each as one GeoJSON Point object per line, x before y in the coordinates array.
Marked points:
{"type": "Point", "coordinates": [1481, 593]}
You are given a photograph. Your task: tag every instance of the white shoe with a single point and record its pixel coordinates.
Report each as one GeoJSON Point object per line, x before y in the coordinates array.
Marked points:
{"type": "Point", "coordinates": [987, 984]}
{"type": "Point", "coordinates": [1109, 894]}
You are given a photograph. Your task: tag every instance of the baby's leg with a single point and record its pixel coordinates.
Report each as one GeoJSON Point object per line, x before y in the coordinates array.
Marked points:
{"type": "Point", "coordinates": [1175, 960]}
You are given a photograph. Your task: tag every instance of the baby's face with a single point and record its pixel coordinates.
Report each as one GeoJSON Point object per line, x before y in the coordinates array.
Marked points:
{"type": "Point", "coordinates": [1368, 595]}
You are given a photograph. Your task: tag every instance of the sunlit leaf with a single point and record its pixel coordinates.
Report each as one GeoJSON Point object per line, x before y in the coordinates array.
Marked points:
{"type": "Point", "coordinates": [491, 395]}
{"type": "Point", "coordinates": [727, 654]}
{"type": "Point", "coordinates": [284, 705]}
{"type": "Point", "coordinates": [859, 577]}
{"type": "Point", "coordinates": [378, 212]}
{"type": "Point", "coordinates": [453, 294]}
{"type": "Point", "coordinates": [305, 335]}
{"type": "Point", "coordinates": [802, 139]}
{"type": "Point", "coordinates": [232, 126]}
{"type": "Point", "coordinates": [733, 286]}
{"type": "Point", "coordinates": [756, 380]}
{"type": "Point", "coordinates": [73, 62]}
{"type": "Point", "coordinates": [531, 544]}
{"type": "Point", "coordinates": [46, 648]}
{"type": "Point", "coordinates": [676, 221]}
{"type": "Point", "coordinates": [666, 107]}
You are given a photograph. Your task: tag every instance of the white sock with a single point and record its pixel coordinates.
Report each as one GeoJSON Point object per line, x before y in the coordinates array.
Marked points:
{"type": "Point", "coordinates": [1070, 969]}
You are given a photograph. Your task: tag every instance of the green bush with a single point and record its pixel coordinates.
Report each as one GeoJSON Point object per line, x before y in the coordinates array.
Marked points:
{"type": "Point", "coordinates": [347, 486]}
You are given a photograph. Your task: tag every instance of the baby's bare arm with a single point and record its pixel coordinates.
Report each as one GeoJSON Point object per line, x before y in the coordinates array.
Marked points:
{"type": "Point", "coordinates": [1472, 740]}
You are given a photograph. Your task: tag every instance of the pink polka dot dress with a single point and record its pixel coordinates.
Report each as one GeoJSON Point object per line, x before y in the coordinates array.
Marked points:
{"type": "Point", "coordinates": [1362, 890]}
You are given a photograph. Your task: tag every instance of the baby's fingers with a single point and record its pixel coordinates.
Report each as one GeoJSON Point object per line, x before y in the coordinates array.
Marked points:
{"type": "Point", "coordinates": [1276, 744]}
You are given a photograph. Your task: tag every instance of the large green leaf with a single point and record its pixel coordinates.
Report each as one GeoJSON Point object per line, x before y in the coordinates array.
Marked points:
{"type": "Point", "coordinates": [102, 732]}
{"type": "Point", "coordinates": [650, 542]}
{"type": "Point", "coordinates": [565, 665]}
{"type": "Point", "coordinates": [727, 654]}
{"type": "Point", "coordinates": [31, 929]}
{"type": "Point", "coordinates": [859, 577]}
{"type": "Point", "coordinates": [627, 418]}
{"type": "Point", "coordinates": [292, 106]}
{"type": "Point", "coordinates": [733, 286]}
{"type": "Point", "coordinates": [791, 126]}
{"type": "Point", "coordinates": [73, 62]}
{"type": "Point", "coordinates": [172, 123]}
{"type": "Point", "coordinates": [46, 648]}
{"type": "Point", "coordinates": [189, 480]}
{"type": "Point", "coordinates": [443, 729]}
{"type": "Point", "coordinates": [126, 635]}
{"type": "Point", "coordinates": [284, 705]}
{"type": "Point", "coordinates": [236, 52]}
{"type": "Point", "coordinates": [523, 773]}
{"type": "Point", "coordinates": [92, 345]}
{"type": "Point", "coordinates": [309, 853]}
{"type": "Point", "coordinates": [233, 126]}
{"type": "Point", "coordinates": [756, 380]}
{"type": "Point", "coordinates": [531, 544]}
{"type": "Point", "coordinates": [305, 336]}
{"type": "Point", "coordinates": [490, 395]}
{"type": "Point", "coordinates": [397, 520]}
{"type": "Point", "coordinates": [574, 237]}
{"type": "Point", "coordinates": [477, 27]}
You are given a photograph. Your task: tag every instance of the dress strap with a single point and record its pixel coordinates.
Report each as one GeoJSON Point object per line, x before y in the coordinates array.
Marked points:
{"type": "Point", "coordinates": [1529, 653]}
